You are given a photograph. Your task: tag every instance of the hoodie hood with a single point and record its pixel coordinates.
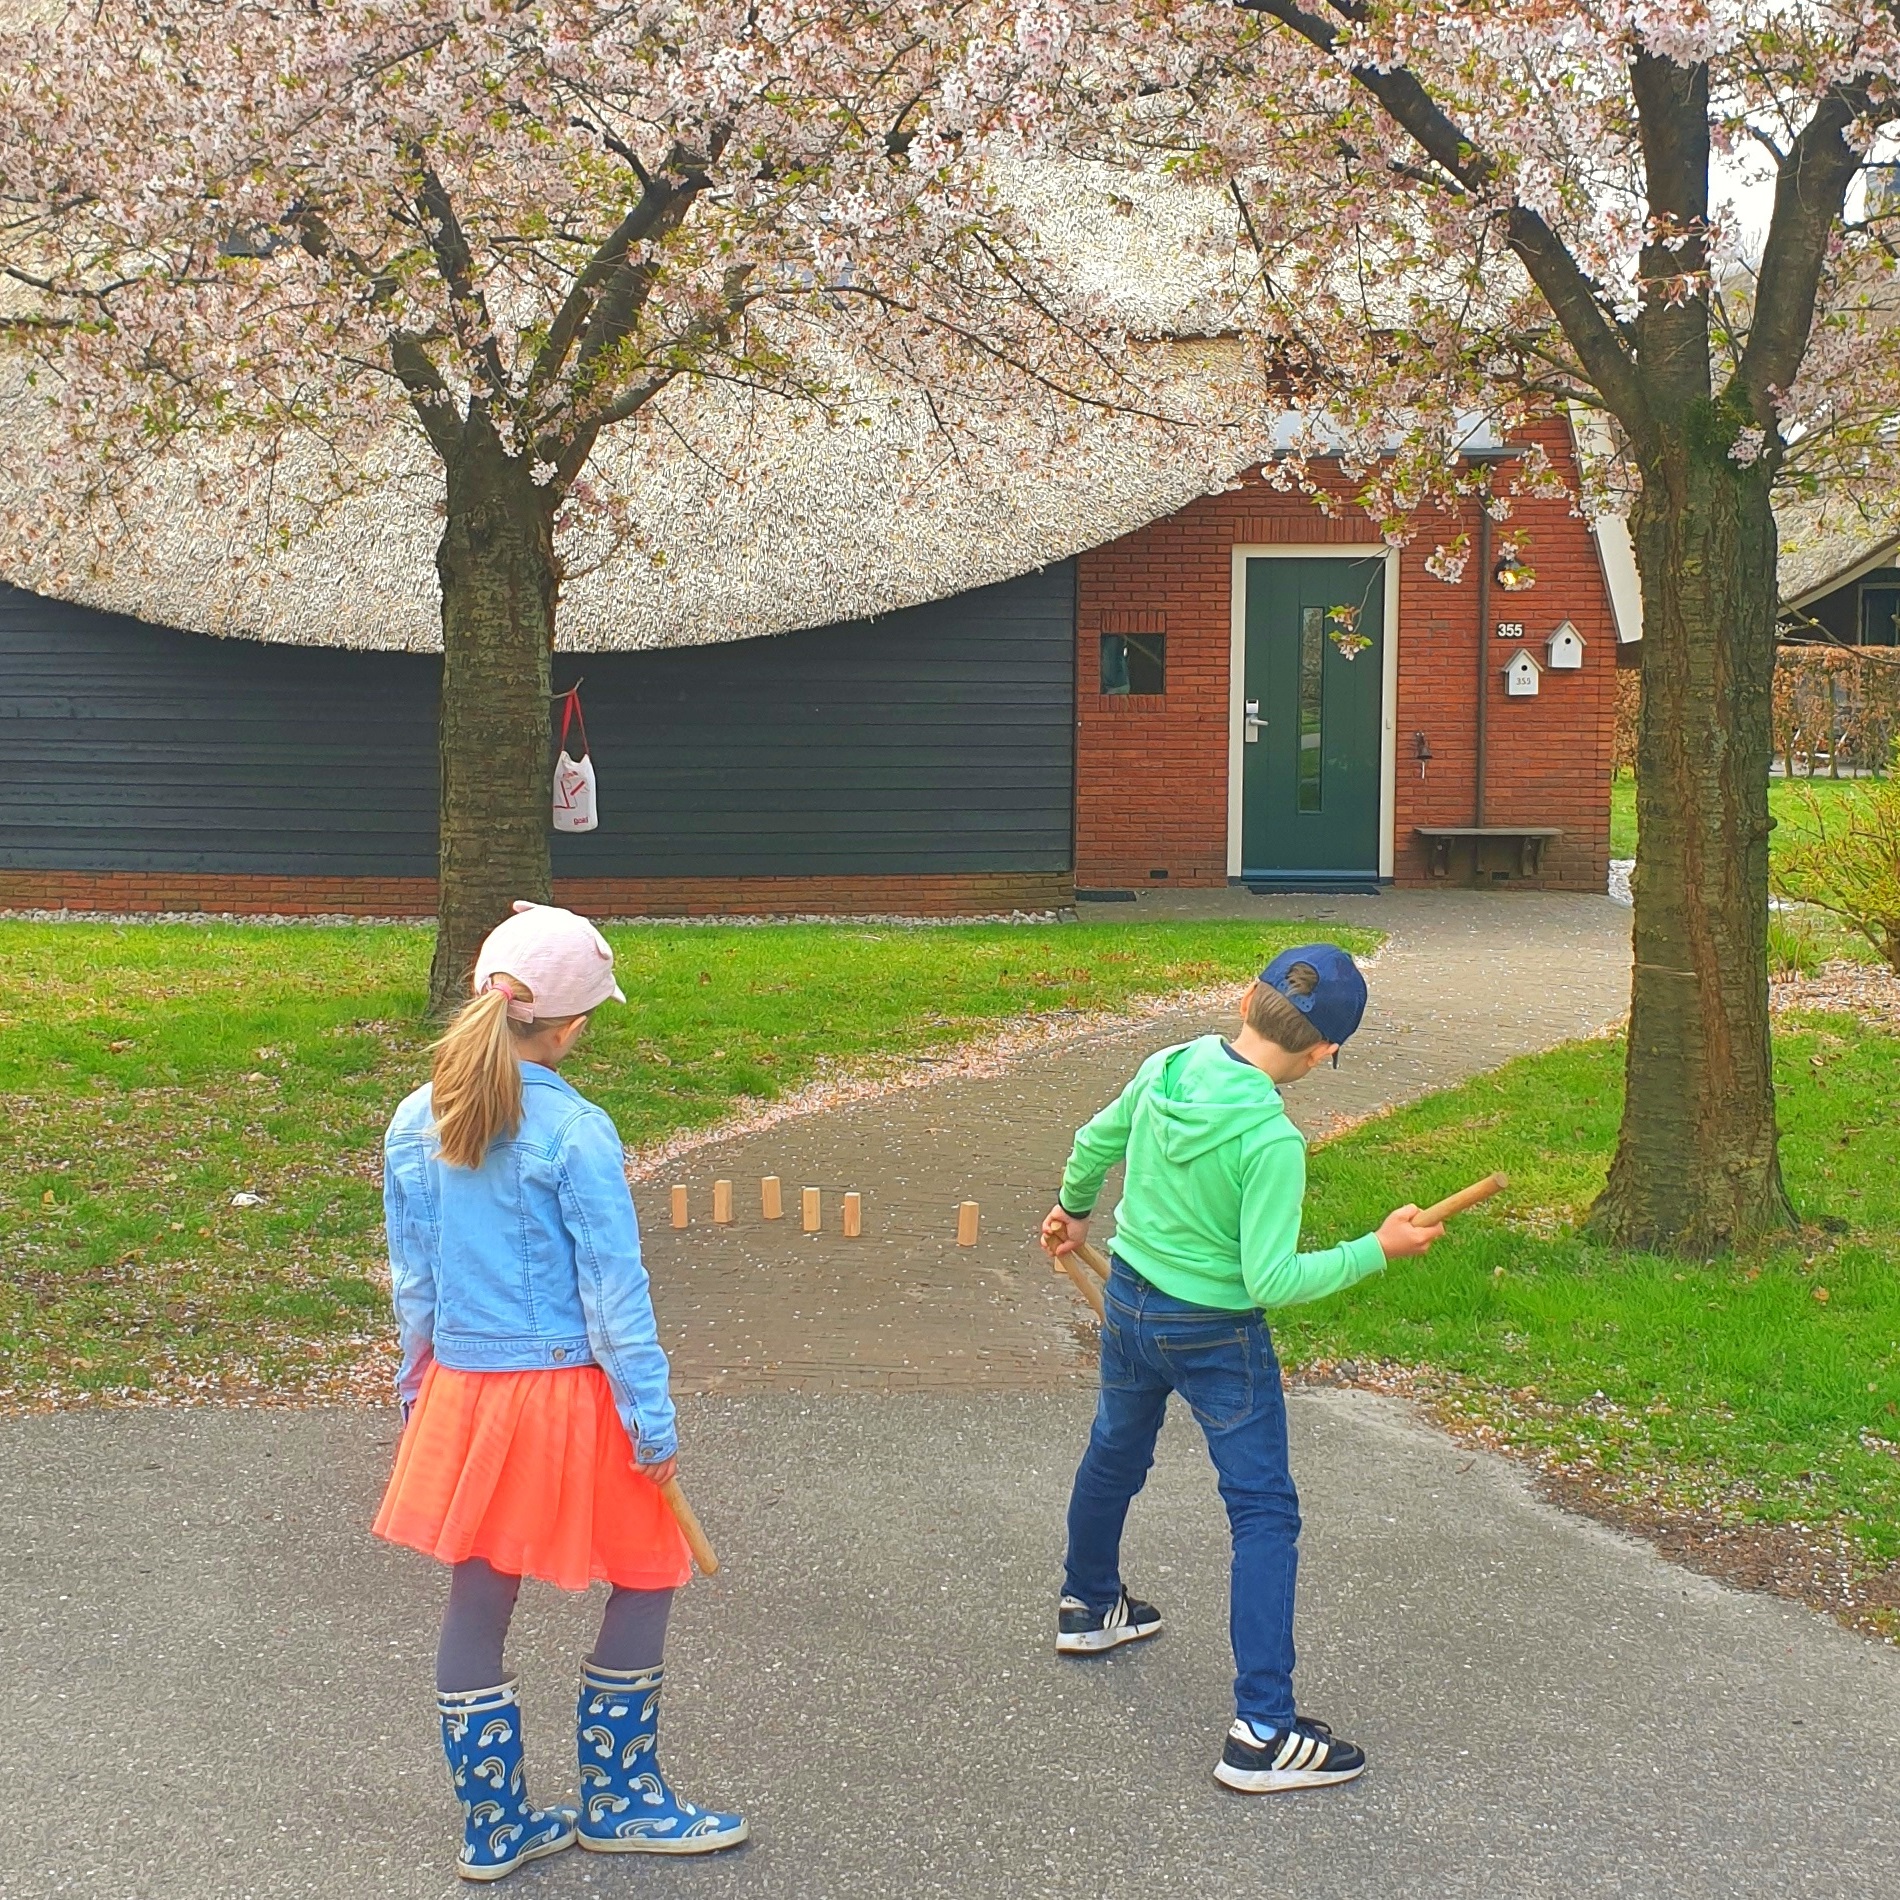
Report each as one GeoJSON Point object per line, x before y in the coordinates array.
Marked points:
{"type": "Point", "coordinates": [1204, 1096]}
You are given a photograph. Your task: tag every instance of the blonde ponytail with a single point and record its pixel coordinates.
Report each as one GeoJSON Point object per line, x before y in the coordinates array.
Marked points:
{"type": "Point", "coordinates": [477, 1093]}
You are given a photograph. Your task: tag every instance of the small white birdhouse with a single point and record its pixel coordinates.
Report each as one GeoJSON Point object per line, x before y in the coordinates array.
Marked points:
{"type": "Point", "coordinates": [1563, 651]}
{"type": "Point", "coordinates": [1521, 676]}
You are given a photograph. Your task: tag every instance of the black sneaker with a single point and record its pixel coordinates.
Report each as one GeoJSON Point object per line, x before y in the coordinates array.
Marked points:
{"type": "Point", "coordinates": [1081, 1631]}
{"type": "Point", "coordinates": [1307, 1755]}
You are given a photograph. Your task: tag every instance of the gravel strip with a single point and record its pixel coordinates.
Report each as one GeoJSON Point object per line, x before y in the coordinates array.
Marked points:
{"type": "Point", "coordinates": [329, 920]}
{"type": "Point", "coordinates": [334, 919]}
{"type": "Point", "coordinates": [358, 1369]}
{"type": "Point", "coordinates": [1858, 989]}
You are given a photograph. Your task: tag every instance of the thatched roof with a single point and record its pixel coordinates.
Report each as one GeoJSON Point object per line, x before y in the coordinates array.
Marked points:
{"type": "Point", "coordinates": [1827, 545]}
{"type": "Point", "coordinates": [830, 523]}
{"type": "Point", "coordinates": [833, 523]}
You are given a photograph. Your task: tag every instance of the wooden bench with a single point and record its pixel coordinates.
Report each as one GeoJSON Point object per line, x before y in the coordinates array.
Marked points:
{"type": "Point", "coordinates": [1489, 844]}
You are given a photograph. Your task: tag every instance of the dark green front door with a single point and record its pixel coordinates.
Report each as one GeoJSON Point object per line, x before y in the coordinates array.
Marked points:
{"type": "Point", "coordinates": [1310, 764]}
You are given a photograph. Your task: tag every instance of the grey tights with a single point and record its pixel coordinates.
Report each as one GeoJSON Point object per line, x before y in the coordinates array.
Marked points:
{"type": "Point", "coordinates": [475, 1626]}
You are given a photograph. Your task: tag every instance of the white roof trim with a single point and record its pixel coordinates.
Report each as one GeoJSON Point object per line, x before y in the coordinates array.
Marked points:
{"type": "Point", "coordinates": [1616, 555]}
{"type": "Point", "coordinates": [1616, 552]}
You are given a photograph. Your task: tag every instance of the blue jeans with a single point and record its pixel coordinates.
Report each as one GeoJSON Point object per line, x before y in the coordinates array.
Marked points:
{"type": "Point", "coordinates": [1223, 1365]}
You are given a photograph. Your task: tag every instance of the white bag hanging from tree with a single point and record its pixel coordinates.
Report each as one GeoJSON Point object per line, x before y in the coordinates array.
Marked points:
{"type": "Point", "coordinates": [574, 805]}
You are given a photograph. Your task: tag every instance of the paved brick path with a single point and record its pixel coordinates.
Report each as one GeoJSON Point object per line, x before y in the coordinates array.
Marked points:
{"type": "Point", "coordinates": [1465, 982]}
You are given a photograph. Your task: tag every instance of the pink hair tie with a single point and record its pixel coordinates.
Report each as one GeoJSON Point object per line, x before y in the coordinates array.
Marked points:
{"type": "Point", "coordinates": [521, 1012]}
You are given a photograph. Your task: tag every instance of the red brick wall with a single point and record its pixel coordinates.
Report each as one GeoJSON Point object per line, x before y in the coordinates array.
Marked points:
{"type": "Point", "coordinates": [948, 896]}
{"type": "Point", "coordinates": [1151, 773]}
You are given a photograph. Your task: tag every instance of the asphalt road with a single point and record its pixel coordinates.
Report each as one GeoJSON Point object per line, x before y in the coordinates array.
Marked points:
{"type": "Point", "coordinates": [219, 1683]}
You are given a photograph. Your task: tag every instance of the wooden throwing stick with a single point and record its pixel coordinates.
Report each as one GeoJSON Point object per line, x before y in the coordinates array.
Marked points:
{"type": "Point", "coordinates": [696, 1539]}
{"type": "Point", "coordinates": [1441, 1211]}
{"type": "Point", "coordinates": [1085, 1274]}
{"type": "Point", "coordinates": [1084, 1281]}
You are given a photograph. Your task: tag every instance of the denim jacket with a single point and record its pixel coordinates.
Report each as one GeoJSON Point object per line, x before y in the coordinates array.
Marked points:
{"type": "Point", "coordinates": [532, 1259]}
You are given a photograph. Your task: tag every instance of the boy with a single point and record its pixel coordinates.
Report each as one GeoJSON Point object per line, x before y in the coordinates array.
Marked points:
{"type": "Point", "coordinates": [1206, 1235]}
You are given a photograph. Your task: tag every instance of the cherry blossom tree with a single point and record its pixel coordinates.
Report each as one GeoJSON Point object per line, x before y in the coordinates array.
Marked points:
{"type": "Point", "coordinates": [267, 237]}
{"type": "Point", "coordinates": [1443, 208]}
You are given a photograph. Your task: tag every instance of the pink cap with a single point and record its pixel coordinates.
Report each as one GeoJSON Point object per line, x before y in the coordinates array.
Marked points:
{"type": "Point", "coordinates": [562, 958]}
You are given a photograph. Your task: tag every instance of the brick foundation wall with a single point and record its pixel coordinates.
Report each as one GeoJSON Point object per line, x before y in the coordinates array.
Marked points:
{"type": "Point", "coordinates": [1151, 772]}
{"type": "Point", "coordinates": [925, 896]}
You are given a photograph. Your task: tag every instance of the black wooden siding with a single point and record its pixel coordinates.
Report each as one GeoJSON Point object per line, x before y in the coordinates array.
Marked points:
{"type": "Point", "coordinates": [938, 739]}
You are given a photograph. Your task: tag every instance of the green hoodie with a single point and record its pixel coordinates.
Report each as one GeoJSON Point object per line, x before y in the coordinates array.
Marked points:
{"type": "Point", "coordinates": [1216, 1174]}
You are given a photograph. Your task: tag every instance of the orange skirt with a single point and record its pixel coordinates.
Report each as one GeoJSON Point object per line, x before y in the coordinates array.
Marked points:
{"type": "Point", "coordinates": [534, 1472]}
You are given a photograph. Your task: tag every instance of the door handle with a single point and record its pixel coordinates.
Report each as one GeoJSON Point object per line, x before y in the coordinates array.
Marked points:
{"type": "Point", "coordinates": [1253, 722]}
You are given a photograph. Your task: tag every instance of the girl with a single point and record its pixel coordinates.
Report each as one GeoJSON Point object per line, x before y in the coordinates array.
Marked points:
{"type": "Point", "coordinates": [538, 1428]}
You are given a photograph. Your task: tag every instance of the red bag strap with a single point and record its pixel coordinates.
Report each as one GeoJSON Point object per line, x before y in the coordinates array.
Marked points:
{"type": "Point", "coordinates": [571, 714]}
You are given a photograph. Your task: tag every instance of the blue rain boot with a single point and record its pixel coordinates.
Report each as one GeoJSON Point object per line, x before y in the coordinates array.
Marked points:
{"type": "Point", "coordinates": [481, 1736]}
{"type": "Point", "coordinates": [626, 1806]}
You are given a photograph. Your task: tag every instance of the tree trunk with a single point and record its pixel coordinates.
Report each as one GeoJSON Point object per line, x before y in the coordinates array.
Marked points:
{"type": "Point", "coordinates": [499, 586]}
{"type": "Point", "coordinates": [1696, 1170]}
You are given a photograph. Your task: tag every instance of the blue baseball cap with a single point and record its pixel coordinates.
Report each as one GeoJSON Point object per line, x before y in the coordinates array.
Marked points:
{"type": "Point", "coordinates": [1336, 1003]}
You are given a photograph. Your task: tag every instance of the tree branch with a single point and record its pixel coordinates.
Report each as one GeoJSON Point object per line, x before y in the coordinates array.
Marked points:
{"type": "Point", "coordinates": [704, 333]}
{"type": "Point", "coordinates": [1810, 192]}
{"type": "Point", "coordinates": [635, 228]}
{"type": "Point", "coordinates": [429, 395]}
{"type": "Point", "coordinates": [1672, 322]}
{"type": "Point", "coordinates": [628, 285]}
{"type": "Point", "coordinates": [1565, 286]}
{"type": "Point", "coordinates": [456, 262]}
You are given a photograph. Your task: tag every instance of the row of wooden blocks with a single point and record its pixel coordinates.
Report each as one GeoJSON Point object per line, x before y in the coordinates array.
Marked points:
{"type": "Point", "coordinates": [811, 1209]}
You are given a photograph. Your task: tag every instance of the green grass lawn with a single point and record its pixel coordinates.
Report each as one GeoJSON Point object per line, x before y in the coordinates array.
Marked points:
{"type": "Point", "coordinates": [1768, 1387]}
{"type": "Point", "coordinates": [1787, 804]}
{"type": "Point", "coordinates": [149, 1073]}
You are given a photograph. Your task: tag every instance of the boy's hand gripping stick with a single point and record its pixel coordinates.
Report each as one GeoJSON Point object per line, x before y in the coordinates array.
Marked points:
{"type": "Point", "coordinates": [1085, 1267]}
{"type": "Point", "coordinates": [696, 1541]}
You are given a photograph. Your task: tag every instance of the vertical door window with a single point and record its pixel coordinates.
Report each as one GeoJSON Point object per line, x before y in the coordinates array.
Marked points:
{"type": "Point", "coordinates": [1312, 674]}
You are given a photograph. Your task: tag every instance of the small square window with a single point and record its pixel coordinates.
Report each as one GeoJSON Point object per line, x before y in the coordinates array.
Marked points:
{"type": "Point", "coordinates": [1134, 663]}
